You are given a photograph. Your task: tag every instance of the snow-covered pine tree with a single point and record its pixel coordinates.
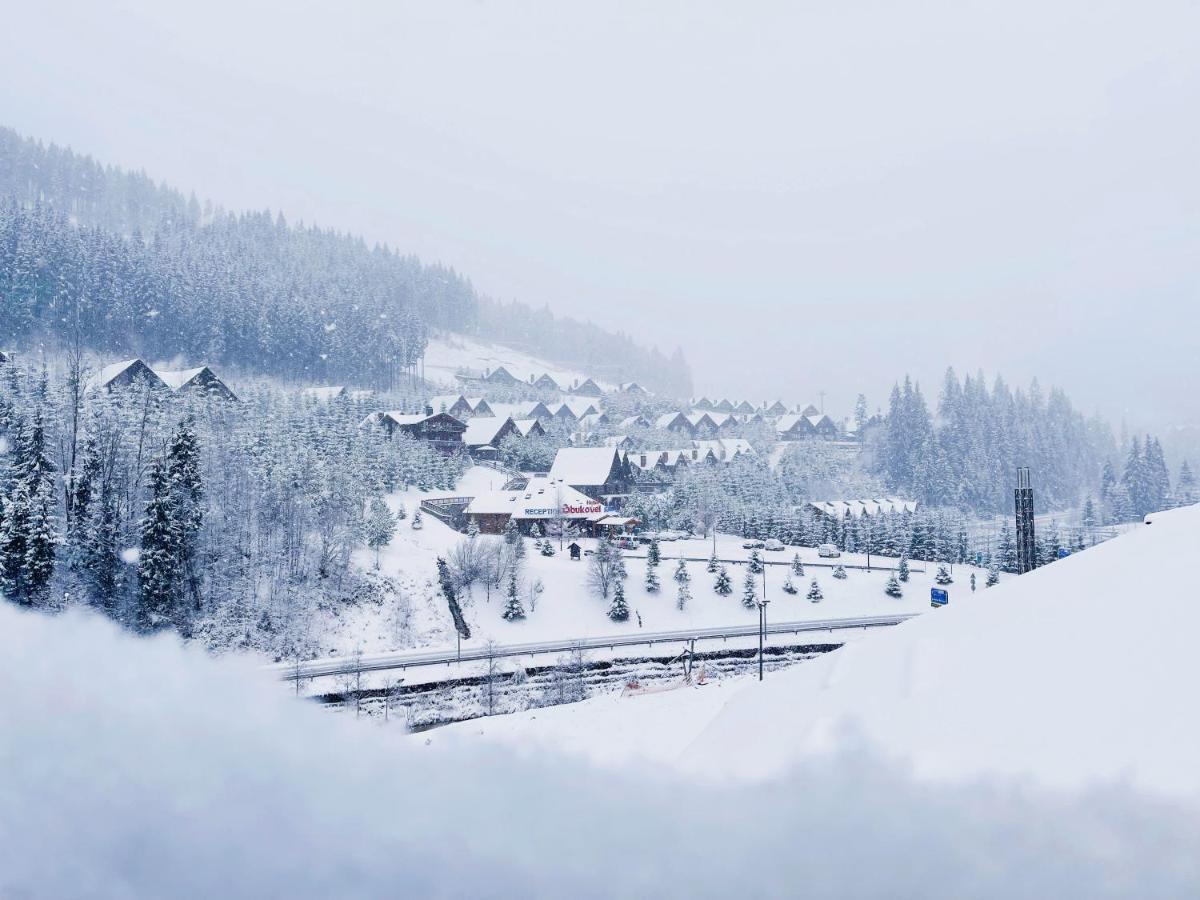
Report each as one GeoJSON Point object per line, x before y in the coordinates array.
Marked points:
{"type": "Point", "coordinates": [1185, 487]}
{"type": "Point", "coordinates": [159, 570]}
{"type": "Point", "coordinates": [755, 564]}
{"type": "Point", "coordinates": [902, 569]}
{"type": "Point", "coordinates": [839, 572]}
{"type": "Point", "coordinates": [381, 527]}
{"type": "Point", "coordinates": [797, 566]}
{"type": "Point", "coordinates": [512, 605]}
{"type": "Point", "coordinates": [402, 514]}
{"type": "Point", "coordinates": [618, 611]}
{"type": "Point", "coordinates": [893, 588]}
{"type": "Point", "coordinates": [749, 590]}
{"type": "Point", "coordinates": [653, 554]}
{"type": "Point", "coordinates": [788, 586]}
{"type": "Point", "coordinates": [652, 583]}
{"type": "Point", "coordinates": [712, 564]}
{"type": "Point", "coordinates": [183, 469]}
{"type": "Point", "coordinates": [723, 585]}
{"type": "Point", "coordinates": [683, 596]}
{"type": "Point", "coordinates": [1088, 519]}
{"type": "Point", "coordinates": [417, 524]}
{"type": "Point", "coordinates": [547, 547]}
{"type": "Point", "coordinates": [943, 576]}
{"type": "Point", "coordinates": [814, 592]}
{"type": "Point", "coordinates": [681, 572]}
{"type": "Point", "coordinates": [993, 576]}
{"type": "Point", "coordinates": [972, 582]}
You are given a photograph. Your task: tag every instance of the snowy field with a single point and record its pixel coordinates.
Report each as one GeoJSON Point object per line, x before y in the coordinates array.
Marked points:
{"type": "Point", "coordinates": [1076, 675]}
{"type": "Point", "coordinates": [448, 353]}
{"type": "Point", "coordinates": [568, 609]}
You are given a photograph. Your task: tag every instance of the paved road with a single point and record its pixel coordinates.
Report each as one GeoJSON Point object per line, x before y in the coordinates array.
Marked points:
{"type": "Point", "coordinates": [348, 665]}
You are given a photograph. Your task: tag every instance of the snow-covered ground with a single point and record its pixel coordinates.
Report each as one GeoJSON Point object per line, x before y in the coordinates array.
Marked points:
{"type": "Point", "coordinates": [447, 354]}
{"type": "Point", "coordinates": [568, 609]}
{"type": "Point", "coordinates": [1078, 674]}
{"type": "Point", "coordinates": [133, 767]}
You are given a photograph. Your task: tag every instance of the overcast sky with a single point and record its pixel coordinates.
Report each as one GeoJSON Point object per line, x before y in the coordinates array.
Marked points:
{"type": "Point", "coordinates": [804, 196]}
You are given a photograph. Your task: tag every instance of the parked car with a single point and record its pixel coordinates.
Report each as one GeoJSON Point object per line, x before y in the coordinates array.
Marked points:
{"type": "Point", "coordinates": [753, 545]}
{"type": "Point", "coordinates": [829, 551]}
{"type": "Point", "coordinates": [774, 544]}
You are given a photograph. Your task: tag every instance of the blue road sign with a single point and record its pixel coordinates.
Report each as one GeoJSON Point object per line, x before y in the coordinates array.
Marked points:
{"type": "Point", "coordinates": [938, 597]}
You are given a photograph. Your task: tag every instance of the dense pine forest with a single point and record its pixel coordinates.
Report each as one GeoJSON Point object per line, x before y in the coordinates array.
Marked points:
{"type": "Point", "coordinates": [94, 254]}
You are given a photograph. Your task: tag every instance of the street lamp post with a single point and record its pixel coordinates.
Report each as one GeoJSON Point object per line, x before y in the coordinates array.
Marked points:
{"type": "Point", "coordinates": [762, 631]}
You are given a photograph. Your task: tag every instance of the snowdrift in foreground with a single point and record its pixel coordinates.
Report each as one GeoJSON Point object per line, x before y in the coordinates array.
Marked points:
{"type": "Point", "coordinates": [137, 768]}
{"type": "Point", "coordinates": [1079, 672]}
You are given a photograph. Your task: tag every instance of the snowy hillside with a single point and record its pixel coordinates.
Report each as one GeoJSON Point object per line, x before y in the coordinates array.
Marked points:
{"type": "Point", "coordinates": [1075, 674]}
{"type": "Point", "coordinates": [449, 353]}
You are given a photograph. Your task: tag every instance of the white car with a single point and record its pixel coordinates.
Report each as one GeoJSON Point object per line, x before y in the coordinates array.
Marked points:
{"type": "Point", "coordinates": [829, 551]}
{"type": "Point", "coordinates": [774, 544]}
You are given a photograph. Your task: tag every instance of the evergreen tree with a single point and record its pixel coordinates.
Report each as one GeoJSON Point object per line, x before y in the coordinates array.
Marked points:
{"type": "Point", "coordinates": [712, 564]}
{"type": "Point", "coordinates": [723, 585]}
{"type": "Point", "coordinates": [839, 572]}
{"type": "Point", "coordinates": [28, 536]}
{"type": "Point", "coordinates": [902, 570]}
{"type": "Point", "coordinates": [547, 547]}
{"type": "Point", "coordinates": [446, 581]}
{"type": "Point", "coordinates": [788, 586]}
{"type": "Point", "coordinates": [512, 605]}
{"type": "Point", "coordinates": [972, 582]}
{"type": "Point", "coordinates": [652, 583]}
{"type": "Point", "coordinates": [402, 514]}
{"type": "Point", "coordinates": [681, 572]}
{"type": "Point", "coordinates": [381, 527]}
{"type": "Point", "coordinates": [893, 588]}
{"type": "Point", "coordinates": [814, 592]}
{"type": "Point", "coordinates": [756, 563]}
{"type": "Point", "coordinates": [417, 524]}
{"type": "Point", "coordinates": [749, 590]}
{"type": "Point", "coordinates": [1185, 488]}
{"type": "Point", "coordinates": [619, 610]}
{"type": "Point", "coordinates": [653, 555]}
{"type": "Point", "coordinates": [684, 596]}
{"type": "Point", "coordinates": [943, 576]}
{"type": "Point", "coordinates": [1007, 548]}
{"type": "Point", "coordinates": [993, 576]}
{"type": "Point", "coordinates": [1089, 519]}
{"type": "Point", "coordinates": [159, 569]}
{"type": "Point", "coordinates": [797, 566]}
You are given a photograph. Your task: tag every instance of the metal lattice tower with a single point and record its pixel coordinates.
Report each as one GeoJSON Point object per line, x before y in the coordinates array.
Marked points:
{"type": "Point", "coordinates": [1023, 501]}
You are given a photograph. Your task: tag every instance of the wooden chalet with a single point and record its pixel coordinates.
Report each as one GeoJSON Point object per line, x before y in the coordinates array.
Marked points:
{"type": "Point", "coordinates": [441, 430]}
{"type": "Point", "coordinates": [200, 381]}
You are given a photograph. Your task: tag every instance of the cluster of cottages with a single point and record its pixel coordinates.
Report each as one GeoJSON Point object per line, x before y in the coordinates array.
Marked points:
{"type": "Point", "coordinates": [545, 383]}
{"type": "Point", "coordinates": [200, 380]}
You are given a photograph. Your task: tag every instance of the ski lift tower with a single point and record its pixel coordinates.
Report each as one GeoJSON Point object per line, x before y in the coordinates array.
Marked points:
{"type": "Point", "coordinates": [1023, 501]}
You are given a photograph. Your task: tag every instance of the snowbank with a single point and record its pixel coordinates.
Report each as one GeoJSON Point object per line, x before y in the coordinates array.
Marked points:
{"type": "Point", "coordinates": [139, 768]}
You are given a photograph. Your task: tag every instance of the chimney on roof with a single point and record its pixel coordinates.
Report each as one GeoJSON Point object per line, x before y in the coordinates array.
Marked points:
{"type": "Point", "coordinates": [428, 410]}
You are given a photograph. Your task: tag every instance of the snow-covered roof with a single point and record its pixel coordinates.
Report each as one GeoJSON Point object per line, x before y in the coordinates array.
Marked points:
{"type": "Point", "coordinates": [542, 498]}
{"type": "Point", "coordinates": [482, 430]}
{"type": "Point", "coordinates": [446, 402]}
{"type": "Point", "coordinates": [666, 420]}
{"type": "Point", "coordinates": [871, 507]}
{"type": "Point", "coordinates": [726, 449]}
{"type": "Point", "coordinates": [583, 465]}
{"type": "Point", "coordinates": [631, 422]}
{"type": "Point", "coordinates": [787, 423]}
{"type": "Point", "coordinates": [526, 426]}
{"type": "Point", "coordinates": [176, 380]}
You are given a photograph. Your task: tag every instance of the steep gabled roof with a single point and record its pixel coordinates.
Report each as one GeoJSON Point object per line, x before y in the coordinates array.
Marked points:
{"type": "Point", "coordinates": [482, 430]}
{"type": "Point", "coordinates": [584, 465]}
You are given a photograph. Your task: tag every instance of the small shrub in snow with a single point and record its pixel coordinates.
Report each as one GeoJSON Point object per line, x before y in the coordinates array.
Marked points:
{"type": "Point", "coordinates": [814, 592]}
{"type": "Point", "coordinates": [713, 565]}
{"type": "Point", "coordinates": [972, 582]}
{"type": "Point", "coordinates": [417, 524]}
{"type": "Point", "coordinates": [893, 588]}
{"type": "Point", "coordinates": [788, 586]}
{"type": "Point", "coordinates": [681, 572]}
{"type": "Point", "coordinates": [653, 555]}
{"type": "Point", "coordinates": [402, 514]}
{"type": "Point", "coordinates": [756, 563]}
{"type": "Point", "coordinates": [903, 568]}
{"type": "Point", "coordinates": [943, 576]}
{"type": "Point", "coordinates": [547, 547]}
{"type": "Point", "coordinates": [839, 572]}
